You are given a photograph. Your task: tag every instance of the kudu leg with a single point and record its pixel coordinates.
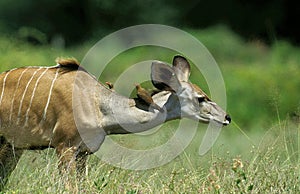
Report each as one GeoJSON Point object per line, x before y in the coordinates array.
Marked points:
{"type": "Point", "coordinates": [81, 173]}
{"type": "Point", "coordinates": [66, 157]}
{"type": "Point", "coordinates": [72, 166]}
{"type": "Point", "coordinates": [9, 158]}
{"type": "Point", "coordinates": [67, 166]}
{"type": "Point", "coordinates": [81, 159]}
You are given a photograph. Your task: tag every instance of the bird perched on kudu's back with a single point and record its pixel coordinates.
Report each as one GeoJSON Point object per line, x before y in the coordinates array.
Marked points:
{"type": "Point", "coordinates": [110, 85]}
{"type": "Point", "coordinates": [146, 97]}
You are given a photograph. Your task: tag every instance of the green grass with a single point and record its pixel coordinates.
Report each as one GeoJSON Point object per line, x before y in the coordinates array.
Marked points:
{"type": "Point", "coordinates": [233, 165]}
{"type": "Point", "coordinates": [257, 153]}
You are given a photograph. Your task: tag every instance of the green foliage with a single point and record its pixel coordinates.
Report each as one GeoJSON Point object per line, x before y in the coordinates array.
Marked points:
{"type": "Point", "coordinates": [78, 20]}
{"type": "Point", "coordinates": [259, 79]}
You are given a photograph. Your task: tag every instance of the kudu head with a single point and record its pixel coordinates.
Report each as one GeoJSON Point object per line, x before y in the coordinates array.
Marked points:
{"type": "Point", "coordinates": [192, 101]}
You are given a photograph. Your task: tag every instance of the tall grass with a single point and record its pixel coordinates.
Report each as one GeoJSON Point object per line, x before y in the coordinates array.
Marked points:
{"type": "Point", "coordinates": [232, 166]}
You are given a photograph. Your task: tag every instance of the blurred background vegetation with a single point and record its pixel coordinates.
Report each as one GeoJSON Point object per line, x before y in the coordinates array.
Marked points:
{"type": "Point", "coordinates": [73, 21]}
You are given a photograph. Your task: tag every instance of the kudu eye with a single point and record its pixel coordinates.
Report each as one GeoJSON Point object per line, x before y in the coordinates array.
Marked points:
{"type": "Point", "coordinates": [201, 99]}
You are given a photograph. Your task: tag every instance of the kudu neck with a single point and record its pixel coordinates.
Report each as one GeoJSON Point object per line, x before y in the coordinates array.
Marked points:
{"type": "Point", "coordinates": [133, 115]}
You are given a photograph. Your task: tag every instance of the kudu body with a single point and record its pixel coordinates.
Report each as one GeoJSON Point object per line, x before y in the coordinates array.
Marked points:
{"type": "Point", "coordinates": [66, 108]}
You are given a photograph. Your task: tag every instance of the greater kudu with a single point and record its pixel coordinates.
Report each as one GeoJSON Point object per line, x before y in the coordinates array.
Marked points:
{"type": "Point", "coordinates": [43, 107]}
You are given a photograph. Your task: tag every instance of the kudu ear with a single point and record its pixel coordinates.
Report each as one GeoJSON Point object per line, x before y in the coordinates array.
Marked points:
{"type": "Point", "coordinates": [164, 77]}
{"type": "Point", "coordinates": [182, 68]}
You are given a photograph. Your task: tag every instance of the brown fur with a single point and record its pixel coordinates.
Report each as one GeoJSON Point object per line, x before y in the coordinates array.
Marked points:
{"type": "Point", "coordinates": [67, 62]}
{"type": "Point", "coordinates": [22, 109]}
